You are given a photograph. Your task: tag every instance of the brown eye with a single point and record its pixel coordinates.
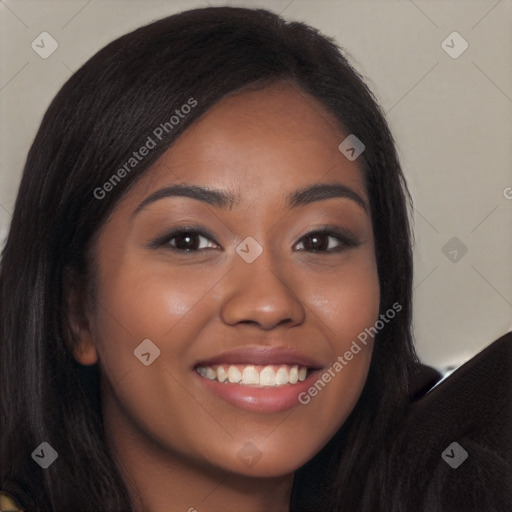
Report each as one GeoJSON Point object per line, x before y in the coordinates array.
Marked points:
{"type": "Point", "coordinates": [325, 241]}
{"type": "Point", "coordinates": [186, 240]}
{"type": "Point", "coordinates": [317, 242]}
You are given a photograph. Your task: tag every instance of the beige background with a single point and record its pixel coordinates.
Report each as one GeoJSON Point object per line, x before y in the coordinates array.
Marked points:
{"type": "Point", "coordinates": [451, 118]}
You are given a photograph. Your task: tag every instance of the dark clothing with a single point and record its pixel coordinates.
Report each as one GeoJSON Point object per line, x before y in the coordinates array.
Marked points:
{"type": "Point", "coordinates": [429, 473]}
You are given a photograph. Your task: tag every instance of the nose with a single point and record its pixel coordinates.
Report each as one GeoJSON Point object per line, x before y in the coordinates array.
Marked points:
{"type": "Point", "coordinates": [258, 294]}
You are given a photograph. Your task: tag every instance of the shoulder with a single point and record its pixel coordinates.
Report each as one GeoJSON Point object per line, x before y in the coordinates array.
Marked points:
{"type": "Point", "coordinates": [456, 444]}
{"type": "Point", "coordinates": [7, 503]}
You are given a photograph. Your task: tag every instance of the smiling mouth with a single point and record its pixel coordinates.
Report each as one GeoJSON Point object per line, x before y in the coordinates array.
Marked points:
{"type": "Point", "coordinates": [255, 375]}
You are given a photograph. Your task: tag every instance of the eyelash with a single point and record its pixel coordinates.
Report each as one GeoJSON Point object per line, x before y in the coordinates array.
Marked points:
{"type": "Point", "coordinates": [344, 238]}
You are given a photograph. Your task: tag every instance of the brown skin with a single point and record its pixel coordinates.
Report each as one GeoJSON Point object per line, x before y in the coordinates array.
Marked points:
{"type": "Point", "coordinates": [176, 442]}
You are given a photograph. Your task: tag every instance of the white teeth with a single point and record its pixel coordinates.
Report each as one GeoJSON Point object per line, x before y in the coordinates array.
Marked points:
{"type": "Point", "coordinates": [267, 376]}
{"type": "Point", "coordinates": [250, 375]}
{"type": "Point", "coordinates": [234, 374]}
{"type": "Point", "coordinates": [221, 374]}
{"type": "Point", "coordinates": [294, 375]}
{"type": "Point", "coordinates": [281, 376]}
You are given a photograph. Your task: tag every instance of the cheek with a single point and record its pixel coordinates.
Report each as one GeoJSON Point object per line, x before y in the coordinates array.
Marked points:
{"type": "Point", "coordinates": [346, 301]}
{"type": "Point", "coordinates": [170, 307]}
{"type": "Point", "coordinates": [137, 301]}
{"type": "Point", "coordinates": [347, 305]}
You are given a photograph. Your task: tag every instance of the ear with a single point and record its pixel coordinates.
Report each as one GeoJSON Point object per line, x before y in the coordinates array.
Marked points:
{"type": "Point", "coordinates": [78, 320]}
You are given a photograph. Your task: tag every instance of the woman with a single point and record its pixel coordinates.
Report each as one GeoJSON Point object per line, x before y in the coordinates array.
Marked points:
{"type": "Point", "coordinates": [143, 372]}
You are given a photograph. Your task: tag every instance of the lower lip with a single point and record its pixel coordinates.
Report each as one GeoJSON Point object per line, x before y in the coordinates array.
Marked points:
{"type": "Point", "coordinates": [266, 400]}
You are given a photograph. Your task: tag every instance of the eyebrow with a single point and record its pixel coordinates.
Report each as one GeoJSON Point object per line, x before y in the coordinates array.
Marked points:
{"type": "Point", "coordinates": [225, 200]}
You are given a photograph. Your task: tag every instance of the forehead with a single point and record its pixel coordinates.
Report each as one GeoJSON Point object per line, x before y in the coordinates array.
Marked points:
{"type": "Point", "coordinates": [259, 145]}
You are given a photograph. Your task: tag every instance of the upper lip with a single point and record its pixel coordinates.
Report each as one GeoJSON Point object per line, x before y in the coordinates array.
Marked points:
{"type": "Point", "coordinates": [262, 355]}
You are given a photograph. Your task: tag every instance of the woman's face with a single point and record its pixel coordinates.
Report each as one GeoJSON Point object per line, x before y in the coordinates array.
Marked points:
{"type": "Point", "coordinates": [260, 295]}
